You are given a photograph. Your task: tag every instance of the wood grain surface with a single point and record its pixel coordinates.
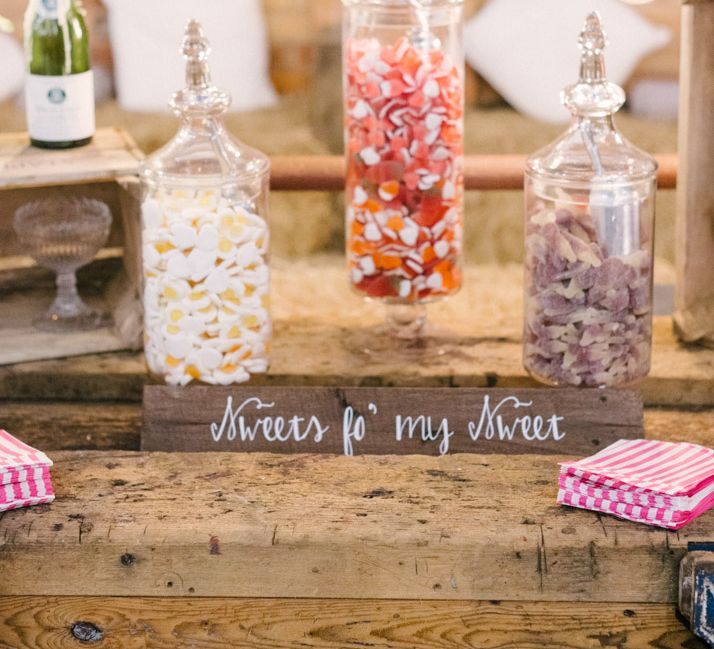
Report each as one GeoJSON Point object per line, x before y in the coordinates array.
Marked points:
{"type": "Point", "coordinates": [264, 525]}
{"type": "Point", "coordinates": [326, 336]}
{"type": "Point", "coordinates": [401, 421]}
{"type": "Point", "coordinates": [111, 153]}
{"type": "Point", "coordinates": [695, 199]}
{"type": "Point", "coordinates": [208, 623]}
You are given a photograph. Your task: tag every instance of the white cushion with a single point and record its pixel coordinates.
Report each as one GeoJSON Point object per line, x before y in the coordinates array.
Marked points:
{"type": "Point", "coordinates": [528, 50]}
{"type": "Point", "coordinates": [13, 67]}
{"type": "Point", "coordinates": [146, 37]}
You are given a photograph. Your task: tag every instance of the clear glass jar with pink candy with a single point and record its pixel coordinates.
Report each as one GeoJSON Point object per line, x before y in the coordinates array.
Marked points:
{"type": "Point", "coordinates": [403, 100]}
{"type": "Point", "coordinates": [205, 242]}
{"type": "Point", "coordinates": [589, 233]}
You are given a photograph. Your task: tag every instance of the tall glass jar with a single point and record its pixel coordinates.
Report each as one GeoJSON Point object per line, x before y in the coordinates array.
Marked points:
{"type": "Point", "coordinates": [589, 241]}
{"type": "Point", "coordinates": [205, 242]}
{"type": "Point", "coordinates": [403, 67]}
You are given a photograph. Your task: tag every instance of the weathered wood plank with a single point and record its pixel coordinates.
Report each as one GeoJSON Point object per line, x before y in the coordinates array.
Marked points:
{"type": "Point", "coordinates": [400, 421]}
{"type": "Point", "coordinates": [695, 199]}
{"type": "Point", "coordinates": [111, 153]}
{"type": "Point", "coordinates": [260, 525]}
{"type": "Point", "coordinates": [135, 623]}
{"type": "Point", "coordinates": [322, 342]}
{"type": "Point", "coordinates": [23, 342]}
{"type": "Point", "coordinates": [72, 426]}
{"type": "Point", "coordinates": [106, 426]}
{"type": "Point", "coordinates": [696, 426]}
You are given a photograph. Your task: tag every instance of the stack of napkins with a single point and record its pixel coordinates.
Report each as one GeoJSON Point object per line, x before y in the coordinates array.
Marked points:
{"type": "Point", "coordinates": [24, 474]}
{"type": "Point", "coordinates": [657, 483]}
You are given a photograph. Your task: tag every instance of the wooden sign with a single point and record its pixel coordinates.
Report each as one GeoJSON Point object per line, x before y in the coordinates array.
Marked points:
{"type": "Point", "coordinates": [354, 421]}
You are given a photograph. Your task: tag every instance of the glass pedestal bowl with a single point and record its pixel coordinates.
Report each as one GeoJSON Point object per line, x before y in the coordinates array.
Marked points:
{"type": "Point", "coordinates": [64, 234]}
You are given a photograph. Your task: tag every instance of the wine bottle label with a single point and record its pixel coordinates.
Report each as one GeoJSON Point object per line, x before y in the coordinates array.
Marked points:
{"type": "Point", "coordinates": [60, 108]}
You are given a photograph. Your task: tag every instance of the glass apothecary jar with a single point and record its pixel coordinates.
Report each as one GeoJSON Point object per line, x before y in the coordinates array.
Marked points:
{"type": "Point", "coordinates": [403, 68]}
{"type": "Point", "coordinates": [589, 226]}
{"type": "Point", "coordinates": [205, 242]}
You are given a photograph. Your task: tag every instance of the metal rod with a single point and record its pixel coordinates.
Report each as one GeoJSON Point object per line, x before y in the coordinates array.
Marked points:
{"type": "Point", "coordinates": [481, 172]}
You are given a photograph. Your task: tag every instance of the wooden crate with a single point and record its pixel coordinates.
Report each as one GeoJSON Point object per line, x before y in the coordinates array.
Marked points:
{"type": "Point", "coordinates": [694, 317]}
{"type": "Point", "coordinates": [106, 170]}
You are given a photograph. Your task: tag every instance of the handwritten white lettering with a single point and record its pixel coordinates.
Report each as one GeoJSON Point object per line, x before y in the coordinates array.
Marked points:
{"type": "Point", "coordinates": [491, 423]}
{"type": "Point", "coordinates": [427, 433]}
{"type": "Point", "coordinates": [352, 429]}
{"type": "Point", "coordinates": [272, 429]}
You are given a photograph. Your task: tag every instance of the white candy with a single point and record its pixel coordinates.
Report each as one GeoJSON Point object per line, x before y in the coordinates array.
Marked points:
{"type": "Point", "coordinates": [433, 121]}
{"type": "Point", "coordinates": [441, 248]}
{"type": "Point", "coordinates": [201, 262]}
{"type": "Point", "coordinates": [183, 236]}
{"type": "Point", "coordinates": [192, 325]}
{"type": "Point", "coordinates": [405, 288]}
{"type": "Point", "coordinates": [367, 264]}
{"type": "Point", "coordinates": [178, 266]}
{"type": "Point", "coordinates": [409, 235]}
{"type": "Point", "coordinates": [361, 110]}
{"type": "Point", "coordinates": [207, 238]}
{"type": "Point", "coordinates": [151, 256]}
{"type": "Point", "coordinates": [447, 191]}
{"type": "Point", "coordinates": [360, 196]}
{"type": "Point", "coordinates": [209, 329]}
{"type": "Point", "coordinates": [435, 281]}
{"type": "Point", "coordinates": [370, 156]}
{"type": "Point", "coordinates": [178, 346]}
{"type": "Point", "coordinates": [210, 358]}
{"type": "Point", "coordinates": [371, 232]}
{"type": "Point", "coordinates": [431, 89]}
{"type": "Point", "coordinates": [217, 281]}
{"type": "Point", "coordinates": [151, 214]}
{"type": "Point", "coordinates": [247, 254]}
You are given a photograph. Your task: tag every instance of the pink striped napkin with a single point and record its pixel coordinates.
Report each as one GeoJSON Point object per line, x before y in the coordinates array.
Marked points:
{"type": "Point", "coordinates": [24, 474]}
{"type": "Point", "coordinates": [657, 483]}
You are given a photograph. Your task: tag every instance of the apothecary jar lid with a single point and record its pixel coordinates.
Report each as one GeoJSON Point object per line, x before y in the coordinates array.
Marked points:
{"type": "Point", "coordinates": [592, 151]}
{"type": "Point", "coordinates": [202, 149]}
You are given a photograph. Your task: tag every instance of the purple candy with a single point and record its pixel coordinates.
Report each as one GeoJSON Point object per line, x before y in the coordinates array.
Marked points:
{"type": "Point", "coordinates": [588, 316]}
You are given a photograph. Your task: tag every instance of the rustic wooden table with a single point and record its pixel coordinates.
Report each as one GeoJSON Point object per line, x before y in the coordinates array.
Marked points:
{"type": "Point", "coordinates": [257, 550]}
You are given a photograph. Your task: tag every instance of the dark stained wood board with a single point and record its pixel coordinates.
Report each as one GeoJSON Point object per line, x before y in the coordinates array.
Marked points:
{"type": "Point", "coordinates": [459, 527]}
{"type": "Point", "coordinates": [230, 623]}
{"type": "Point", "coordinates": [353, 421]}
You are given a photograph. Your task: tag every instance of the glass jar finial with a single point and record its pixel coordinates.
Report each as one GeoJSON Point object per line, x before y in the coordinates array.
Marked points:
{"type": "Point", "coordinates": [199, 96]}
{"type": "Point", "coordinates": [593, 95]}
{"type": "Point", "coordinates": [592, 43]}
{"type": "Point", "coordinates": [196, 49]}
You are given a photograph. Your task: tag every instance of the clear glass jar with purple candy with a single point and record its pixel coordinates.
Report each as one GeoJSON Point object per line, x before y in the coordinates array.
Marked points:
{"type": "Point", "coordinates": [589, 227]}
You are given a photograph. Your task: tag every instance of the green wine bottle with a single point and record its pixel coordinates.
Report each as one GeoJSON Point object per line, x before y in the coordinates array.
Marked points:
{"type": "Point", "coordinates": [59, 91]}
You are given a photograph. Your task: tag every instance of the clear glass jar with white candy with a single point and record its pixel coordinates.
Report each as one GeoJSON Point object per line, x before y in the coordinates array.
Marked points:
{"type": "Point", "coordinates": [205, 242]}
{"type": "Point", "coordinates": [589, 232]}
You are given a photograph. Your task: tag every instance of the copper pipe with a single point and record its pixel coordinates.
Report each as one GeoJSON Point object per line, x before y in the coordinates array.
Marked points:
{"type": "Point", "coordinates": [483, 172]}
